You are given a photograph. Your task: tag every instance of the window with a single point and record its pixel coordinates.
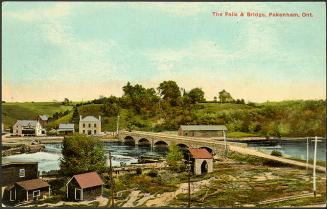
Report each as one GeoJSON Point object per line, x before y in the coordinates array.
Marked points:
{"type": "Point", "coordinates": [36, 193]}
{"type": "Point", "coordinates": [89, 125]}
{"type": "Point", "coordinates": [22, 173]}
{"type": "Point", "coordinates": [83, 131]}
{"type": "Point", "coordinates": [95, 125]}
{"type": "Point", "coordinates": [95, 131]}
{"type": "Point", "coordinates": [83, 125]}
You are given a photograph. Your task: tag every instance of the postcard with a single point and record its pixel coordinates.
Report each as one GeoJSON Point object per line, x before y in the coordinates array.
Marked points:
{"type": "Point", "coordinates": [163, 104]}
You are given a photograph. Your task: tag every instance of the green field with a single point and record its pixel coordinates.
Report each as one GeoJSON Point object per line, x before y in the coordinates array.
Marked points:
{"type": "Point", "coordinates": [29, 110]}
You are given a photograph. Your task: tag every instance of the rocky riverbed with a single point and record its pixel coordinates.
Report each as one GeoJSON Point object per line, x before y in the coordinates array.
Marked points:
{"type": "Point", "coordinates": [21, 148]}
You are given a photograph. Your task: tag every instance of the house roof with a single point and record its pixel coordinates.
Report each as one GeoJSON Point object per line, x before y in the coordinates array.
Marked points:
{"type": "Point", "coordinates": [33, 184]}
{"type": "Point", "coordinates": [200, 153]}
{"type": "Point", "coordinates": [8, 162]}
{"type": "Point", "coordinates": [31, 123]}
{"type": "Point", "coordinates": [87, 180]}
{"type": "Point", "coordinates": [66, 126]}
{"type": "Point", "coordinates": [90, 119]}
{"type": "Point", "coordinates": [203, 127]}
{"type": "Point", "coordinates": [44, 117]}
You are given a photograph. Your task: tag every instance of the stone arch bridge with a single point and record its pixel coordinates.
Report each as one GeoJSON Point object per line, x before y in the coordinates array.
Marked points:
{"type": "Point", "coordinates": [215, 146]}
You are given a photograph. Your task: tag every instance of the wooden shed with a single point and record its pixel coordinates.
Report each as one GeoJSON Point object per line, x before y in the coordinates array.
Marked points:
{"type": "Point", "coordinates": [18, 171]}
{"type": "Point", "coordinates": [202, 130]}
{"type": "Point", "coordinates": [29, 190]}
{"type": "Point", "coordinates": [86, 186]}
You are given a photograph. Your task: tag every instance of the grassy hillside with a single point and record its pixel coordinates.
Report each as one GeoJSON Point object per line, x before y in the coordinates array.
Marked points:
{"type": "Point", "coordinates": [285, 118]}
{"type": "Point", "coordinates": [29, 110]}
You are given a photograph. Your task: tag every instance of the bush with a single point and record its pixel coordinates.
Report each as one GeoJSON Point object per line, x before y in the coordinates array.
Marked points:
{"type": "Point", "coordinates": [138, 171]}
{"type": "Point", "coordinates": [276, 153]}
{"type": "Point", "coordinates": [153, 173]}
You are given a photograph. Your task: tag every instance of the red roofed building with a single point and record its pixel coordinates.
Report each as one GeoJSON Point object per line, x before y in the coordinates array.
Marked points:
{"type": "Point", "coordinates": [86, 186]}
{"type": "Point", "coordinates": [202, 161]}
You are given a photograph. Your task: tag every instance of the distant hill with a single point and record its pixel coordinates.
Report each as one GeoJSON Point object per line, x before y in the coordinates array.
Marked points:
{"type": "Point", "coordinates": [12, 111]}
{"type": "Point", "coordinates": [285, 118]}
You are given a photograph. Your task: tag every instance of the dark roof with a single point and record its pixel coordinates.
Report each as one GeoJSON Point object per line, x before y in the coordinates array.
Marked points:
{"type": "Point", "coordinates": [203, 128]}
{"type": "Point", "coordinates": [65, 126]}
{"type": "Point", "coordinates": [87, 180]}
{"type": "Point", "coordinates": [90, 119]}
{"type": "Point", "coordinates": [200, 153]}
{"type": "Point", "coordinates": [8, 162]}
{"type": "Point", "coordinates": [33, 184]}
{"type": "Point", "coordinates": [44, 117]}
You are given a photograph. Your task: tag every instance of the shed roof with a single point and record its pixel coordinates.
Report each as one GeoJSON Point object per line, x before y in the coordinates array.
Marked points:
{"type": "Point", "coordinates": [8, 162]}
{"type": "Point", "coordinates": [33, 184]}
{"type": "Point", "coordinates": [87, 180]}
{"type": "Point", "coordinates": [66, 126]}
{"type": "Point", "coordinates": [90, 119]}
{"type": "Point", "coordinates": [200, 153]}
{"type": "Point", "coordinates": [44, 117]}
{"type": "Point", "coordinates": [203, 127]}
{"type": "Point", "coordinates": [30, 123]}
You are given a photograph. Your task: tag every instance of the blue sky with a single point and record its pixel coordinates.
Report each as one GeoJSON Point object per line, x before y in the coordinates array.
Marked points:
{"type": "Point", "coordinates": [80, 50]}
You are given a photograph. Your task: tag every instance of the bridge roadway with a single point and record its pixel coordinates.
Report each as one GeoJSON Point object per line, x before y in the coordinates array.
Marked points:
{"type": "Point", "coordinates": [216, 146]}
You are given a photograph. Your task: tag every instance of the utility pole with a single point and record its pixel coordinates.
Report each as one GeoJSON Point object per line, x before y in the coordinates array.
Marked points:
{"type": "Point", "coordinates": [307, 154]}
{"type": "Point", "coordinates": [314, 167]}
{"type": "Point", "coordinates": [118, 126]}
{"type": "Point", "coordinates": [189, 180]}
{"type": "Point", "coordinates": [112, 182]}
{"type": "Point", "coordinates": [225, 140]}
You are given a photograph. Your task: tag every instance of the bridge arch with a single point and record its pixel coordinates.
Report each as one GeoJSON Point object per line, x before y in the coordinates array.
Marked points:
{"type": "Point", "coordinates": [182, 146]}
{"type": "Point", "coordinates": [144, 142]}
{"type": "Point", "coordinates": [128, 140]}
{"type": "Point", "coordinates": [208, 149]}
{"type": "Point", "coordinates": [160, 143]}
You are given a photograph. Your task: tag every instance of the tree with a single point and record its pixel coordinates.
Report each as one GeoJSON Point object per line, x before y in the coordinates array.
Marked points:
{"type": "Point", "coordinates": [169, 91]}
{"type": "Point", "coordinates": [225, 97]}
{"type": "Point", "coordinates": [66, 101]}
{"type": "Point", "coordinates": [75, 117]}
{"type": "Point", "coordinates": [196, 95]}
{"type": "Point", "coordinates": [175, 159]}
{"type": "Point", "coordinates": [82, 154]}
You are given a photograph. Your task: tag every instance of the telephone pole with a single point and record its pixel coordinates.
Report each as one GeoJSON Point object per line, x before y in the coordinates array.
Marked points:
{"type": "Point", "coordinates": [112, 182]}
{"type": "Point", "coordinates": [314, 167]}
{"type": "Point", "coordinates": [307, 154]}
{"type": "Point", "coordinates": [189, 180]}
{"type": "Point", "coordinates": [118, 126]}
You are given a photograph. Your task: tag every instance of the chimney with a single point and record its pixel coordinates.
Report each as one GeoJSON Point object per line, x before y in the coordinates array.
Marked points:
{"type": "Point", "coordinates": [99, 117]}
{"type": "Point", "coordinates": [80, 117]}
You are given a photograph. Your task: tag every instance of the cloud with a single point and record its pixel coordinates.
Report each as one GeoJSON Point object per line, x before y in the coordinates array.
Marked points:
{"type": "Point", "coordinates": [59, 10]}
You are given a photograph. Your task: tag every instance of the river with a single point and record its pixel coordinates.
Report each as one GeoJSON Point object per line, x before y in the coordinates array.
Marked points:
{"type": "Point", "coordinates": [49, 159]}
{"type": "Point", "coordinates": [292, 148]}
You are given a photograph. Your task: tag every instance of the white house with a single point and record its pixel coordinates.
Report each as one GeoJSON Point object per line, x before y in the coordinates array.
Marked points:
{"type": "Point", "coordinates": [90, 125]}
{"type": "Point", "coordinates": [28, 128]}
{"type": "Point", "coordinates": [66, 128]}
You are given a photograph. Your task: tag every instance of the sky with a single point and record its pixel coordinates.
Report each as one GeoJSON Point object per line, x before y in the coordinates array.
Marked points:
{"type": "Point", "coordinates": [81, 50]}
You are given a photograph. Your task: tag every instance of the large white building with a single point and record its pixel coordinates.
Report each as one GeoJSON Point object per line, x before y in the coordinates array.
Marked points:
{"type": "Point", "coordinates": [90, 125]}
{"type": "Point", "coordinates": [28, 128]}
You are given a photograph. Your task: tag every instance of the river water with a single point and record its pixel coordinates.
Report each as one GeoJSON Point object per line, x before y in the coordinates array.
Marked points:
{"type": "Point", "coordinates": [293, 148]}
{"type": "Point", "coordinates": [49, 159]}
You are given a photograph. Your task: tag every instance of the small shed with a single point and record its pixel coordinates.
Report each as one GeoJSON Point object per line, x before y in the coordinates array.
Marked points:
{"type": "Point", "coordinates": [66, 129]}
{"type": "Point", "coordinates": [86, 186]}
{"type": "Point", "coordinates": [202, 161]}
{"type": "Point", "coordinates": [18, 171]}
{"type": "Point", "coordinates": [202, 130]}
{"type": "Point", "coordinates": [29, 190]}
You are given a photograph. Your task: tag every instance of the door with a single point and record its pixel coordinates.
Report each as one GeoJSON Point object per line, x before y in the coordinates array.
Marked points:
{"type": "Point", "coordinates": [78, 194]}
